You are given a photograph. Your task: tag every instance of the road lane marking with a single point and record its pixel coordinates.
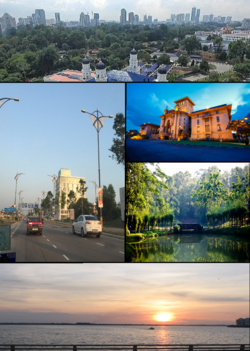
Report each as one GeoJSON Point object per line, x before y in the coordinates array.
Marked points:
{"type": "Point", "coordinates": [55, 247]}
{"type": "Point", "coordinates": [99, 244]}
{"type": "Point", "coordinates": [47, 239]}
{"type": "Point", "coordinates": [121, 252]}
{"type": "Point", "coordinates": [16, 229]}
{"type": "Point", "coordinates": [43, 236]}
{"type": "Point", "coordinates": [66, 257]}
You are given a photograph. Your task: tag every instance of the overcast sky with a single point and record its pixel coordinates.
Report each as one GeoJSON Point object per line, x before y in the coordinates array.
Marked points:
{"type": "Point", "coordinates": [46, 131]}
{"type": "Point", "coordinates": [192, 167]}
{"type": "Point", "coordinates": [110, 9]}
{"type": "Point", "coordinates": [124, 293]}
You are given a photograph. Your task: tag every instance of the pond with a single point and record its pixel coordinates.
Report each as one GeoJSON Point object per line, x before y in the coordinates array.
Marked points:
{"type": "Point", "coordinates": [192, 248]}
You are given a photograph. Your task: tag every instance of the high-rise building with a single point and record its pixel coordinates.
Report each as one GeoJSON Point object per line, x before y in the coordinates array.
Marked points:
{"type": "Point", "coordinates": [123, 18]}
{"type": "Point", "coordinates": [173, 17]}
{"type": "Point", "coordinates": [131, 17]}
{"type": "Point", "coordinates": [82, 19]}
{"type": "Point", "coordinates": [24, 21]}
{"type": "Point", "coordinates": [193, 14]}
{"type": "Point", "coordinates": [180, 18]}
{"type": "Point", "coordinates": [136, 19]}
{"type": "Point", "coordinates": [150, 20]}
{"type": "Point", "coordinates": [187, 17]}
{"type": "Point", "coordinates": [41, 16]}
{"type": "Point", "coordinates": [87, 20]}
{"type": "Point", "coordinates": [96, 19]}
{"type": "Point", "coordinates": [245, 23]}
{"type": "Point", "coordinates": [57, 16]}
{"type": "Point", "coordinates": [65, 183]}
{"type": "Point", "coordinates": [197, 17]}
{"type": "Point", "coordinates": [229, 19]}
{"type": "Point", "coordinates": [7, 22]}
{"type": "Point", "coordinates": [211, 17]}
{"type": "Point", "coordinates": [223, 19]}
{"type": "Point", "coordinates": [145, 19]}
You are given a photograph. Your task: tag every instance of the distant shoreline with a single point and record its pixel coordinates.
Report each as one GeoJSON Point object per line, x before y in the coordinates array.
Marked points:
{"type": "Point", "coordinates": [155, 325]}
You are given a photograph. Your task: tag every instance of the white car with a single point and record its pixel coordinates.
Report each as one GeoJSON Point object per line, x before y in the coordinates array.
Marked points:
{"type": "Point", "coordinates": [87, 224]}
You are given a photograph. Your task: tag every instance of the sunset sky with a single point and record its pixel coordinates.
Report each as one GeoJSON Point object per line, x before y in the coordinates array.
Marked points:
{"type": "Point", "coordinates": [124, 293]}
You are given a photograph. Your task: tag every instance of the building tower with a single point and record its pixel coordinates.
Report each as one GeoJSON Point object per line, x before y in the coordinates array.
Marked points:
{"type": "Point", "coordinates": [86, 71]}
{"type": "Point", "coordinates": [57, 16]}
{"type": "Point", "coordinates": [193, 14]}
{"type": "Point", "coordinates": [123, 18]}
{"type": "Point", "coordinates": [133, 62]}
{"type": "Point", "coordinates": [197, 17]}
{"type": "Point", "coordinates": [100, 72]}
{"type": "Point", "coordinates": [162, 74]}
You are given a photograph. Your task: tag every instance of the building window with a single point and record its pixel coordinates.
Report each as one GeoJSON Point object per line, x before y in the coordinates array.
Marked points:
{"type": "Point", "coordinates": [197, 116]}
{"type": "Point", "coordinates": [198, 121]}
{"type": "Point", "coordinates": [219, 128]}
{"type": "Point", "coordinates": [218, 119]}
{"type": "Point", "coordinates": [217, 112]}
{"type": "Point", "coordinates": [198, 129]}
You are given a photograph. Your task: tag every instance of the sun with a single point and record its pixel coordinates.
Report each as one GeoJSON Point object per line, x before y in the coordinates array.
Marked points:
{"type": "Point", "coordinates": [164, 317]}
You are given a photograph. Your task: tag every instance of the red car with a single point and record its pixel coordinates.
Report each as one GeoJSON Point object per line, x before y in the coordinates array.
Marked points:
{"type": "Point", "coordinates": [34, 225]}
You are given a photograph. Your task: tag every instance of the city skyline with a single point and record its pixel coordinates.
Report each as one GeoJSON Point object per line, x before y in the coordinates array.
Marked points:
{"type": "Point", "coordinates": [189, 293]}
{"type": "Point", "coordinates": [110, 10]}
{"type": "Point", "coordinates": [46, 131]}
{"type": "Point", "coordinates": [155, 98]}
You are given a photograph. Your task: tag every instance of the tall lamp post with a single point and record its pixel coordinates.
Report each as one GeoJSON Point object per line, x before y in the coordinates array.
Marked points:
{"type": "Point", "coordinates": [95, 191]}
{"type": "Point", "coordinates": [16, 179]}
{"type": "Point", "coordinates": [97, 119]}
{"type": "Point", "coordinates": [20, 192]}
{"type": "Point", "coordinates": [38, 200]}
{"type": "Point", "coordinates": [54, 179]}
{"type": "Point", "coordinates": [43, 194]}
{"type": "Point", "coordinates": [21, 201]}
{"type": "Point", "coordinates": [4, 100]}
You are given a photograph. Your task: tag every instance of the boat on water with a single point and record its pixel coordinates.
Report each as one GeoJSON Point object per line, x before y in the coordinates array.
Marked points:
{"type": "Point", "coordinates": [151, 328]}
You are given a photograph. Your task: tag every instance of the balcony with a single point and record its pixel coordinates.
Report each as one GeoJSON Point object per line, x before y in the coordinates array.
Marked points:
{"type": "Point", "coordinates": [208, 114]}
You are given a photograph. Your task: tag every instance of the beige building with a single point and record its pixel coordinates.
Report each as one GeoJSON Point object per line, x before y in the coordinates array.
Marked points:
{"type": "Point", "coordinates": [149, 128]}
{"type": "Point", "coordinates": [183, 121]}
{"type": "Point", "coordinates": [66, 183]}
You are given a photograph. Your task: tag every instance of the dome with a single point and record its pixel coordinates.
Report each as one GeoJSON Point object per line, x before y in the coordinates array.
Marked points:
{"type": "Point", "coordinates": [133, 52]}
{"type": "Point", "coordinates": [162, 70]}
{"type": "Point", "coordinates": [85, 61]}
{"type": "Point", "coordinates": [100, 65]}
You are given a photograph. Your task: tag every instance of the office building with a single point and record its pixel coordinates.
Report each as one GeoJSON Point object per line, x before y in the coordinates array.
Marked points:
{"type": "Point", "coordinates": [24, 21]}
{"type": "Point", "coordinates": [96, 19]}
{"type": "Point", "coordinates": [187, 17]}
{"type": "Point", "coordinates": [197, 17]}
{"type": "Point", "coordinates": [145, 19]}
{"type": "Point", "coordinates": [136, 19]}
{"type": "Point", "coordinates": [57, 17]}
{"type": "Point", "coordinates": [65, 183]}
{"type": "Point", "coordinates": [173, 17]}
{"type": "Point", "coordinates": [229, 19]}
{"type": "Point", "coordinates": [245, 23]}
{"type": "Point", "coordinates": [123, 18]}
{"type": "Point", "coordinates": [7, 22]}
{"type": "Point", "coordinates": [131, 17]}
{"type": "Point", "coordinates": [150, 19]}
{"type": "Point", "coordinates": [193, 14]}
{"type": "Point", "coordinates": [40, 16]}
{"type": "Point", "coordinates": [82, 20]}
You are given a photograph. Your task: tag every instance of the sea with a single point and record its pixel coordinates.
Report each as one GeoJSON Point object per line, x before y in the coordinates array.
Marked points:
{"type": "Point", "coordinates": [116, 334]}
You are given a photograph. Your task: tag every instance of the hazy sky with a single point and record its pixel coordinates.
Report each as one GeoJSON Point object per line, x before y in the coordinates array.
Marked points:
{"type": "Point", "coordinates": [124, 293]}
{"type": "Point", "coordinates": [146, 102]}
{"type": "Point", "coordinates": [110, 9]}
{"type": "Point", "coordinates": [192, 167]}
{"type": "Point", "coordinates": [46, 131]}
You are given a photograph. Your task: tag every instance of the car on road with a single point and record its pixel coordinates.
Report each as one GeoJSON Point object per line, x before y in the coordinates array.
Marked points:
{"type": "Point", "coordinates": [34, 225]}
{"type": "Point", "coordinates": [87, 224]}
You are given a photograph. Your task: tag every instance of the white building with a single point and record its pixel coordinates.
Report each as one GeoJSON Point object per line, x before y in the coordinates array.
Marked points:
{"type": "Point", "coordinates": [101, 75]}
{"type": "Point", "coordinates": [24, 21]}
{"type": "Point", "coordinates": [7, 22]}
{"type": "Point", "coordinates": [162, 74]}
{"type": "Point", "coordinates": [236, 37]}
{"type": "Point", "coordinates": [133, 62]}
{"type": "Point", "coordinates": [86, 71]}
{"type": "Point", "coordinates": [245, 23]}
{"type": "Point", "coordinates": [66, 183]}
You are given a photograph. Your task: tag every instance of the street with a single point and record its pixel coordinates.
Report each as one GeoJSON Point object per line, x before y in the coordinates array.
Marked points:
{"type": "Point", "coordinates": [160, 150]}
{"type": "Point", "coordinates": [58, 244]}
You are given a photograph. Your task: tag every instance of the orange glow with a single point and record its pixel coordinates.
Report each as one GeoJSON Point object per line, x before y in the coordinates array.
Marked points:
{"type": "Point", "coordinates": [164, 317]}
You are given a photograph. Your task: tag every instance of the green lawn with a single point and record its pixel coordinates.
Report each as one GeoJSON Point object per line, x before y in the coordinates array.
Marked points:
{"type": "Point", "coordinates": [208, 143]}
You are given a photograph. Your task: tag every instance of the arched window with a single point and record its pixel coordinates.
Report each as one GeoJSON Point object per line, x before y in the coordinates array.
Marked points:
{"type": "Point", "coordinates": [198, 129]}
{"type": "Point", "coordinates": [218, 127]}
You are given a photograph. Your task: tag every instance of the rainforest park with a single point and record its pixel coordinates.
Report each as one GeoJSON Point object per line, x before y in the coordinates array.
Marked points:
{"type": "Point", "coordinates": [187, 212]}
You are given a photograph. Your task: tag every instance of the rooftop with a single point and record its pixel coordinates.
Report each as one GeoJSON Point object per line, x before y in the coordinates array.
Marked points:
{"type": "Point", "coordinates": [209, 108]}
{"type": "Point", "coordinates": [185, 98]}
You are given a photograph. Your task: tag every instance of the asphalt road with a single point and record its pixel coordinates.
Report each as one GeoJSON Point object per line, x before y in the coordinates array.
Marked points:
{"type": "Point", "coordinates": [58, 244]}
{"type": "Point", "coordinates": [158, 150]}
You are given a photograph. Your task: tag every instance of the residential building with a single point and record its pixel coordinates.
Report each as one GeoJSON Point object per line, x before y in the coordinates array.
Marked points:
{"type": "Point", "coordinates": [123, 18]}
{"type": "Point", "coordinates": [187, 17]}
{"type": "Point", "coordinates": [245, 23]}
{"type": "Point", "coordinates": [149, 129]}
{"type": "Point", "coordinates": [180, 18]}
{"type": "Point", "coordinates": [145, 19]}
{"type": "Point", "coordinates": [131, 17]}
{"type": "Point", "coordinates": [24, 21]}
{"type": "Point", "coordinates": [82, 19]}
{"type": "Point", "coordinates": [66, 183]}
{"type": "Point", "coordinates": [7, 22]}
{"type": "Point", "coordinates": [136, 19]}
{"type": "Point", "coordinates": [229, 19]}
{"type": "Point", "coordinates": [96, 19]}
{"type": "Point", "coordinates": [150, 19]}
{"type": "Point", "coordinates": [173, 18]}
{"type": "Point", "coordinates": [236, 36]}
{"type": "Point", "coordinates": [210, 123]}
{"type": "Point", "coordinates": [57, 17]}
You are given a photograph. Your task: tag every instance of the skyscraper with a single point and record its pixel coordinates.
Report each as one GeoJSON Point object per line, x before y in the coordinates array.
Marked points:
{"type": "Point", "coordinates": [131, 17]}
{"type": "Point", "coordinates": [7, 22]}
{"type": "Point", "coordinates": [193, 14]}
{"type": "Point", "coordinates": [187, 17]}
{"type": "Point", "coordinates": [40, 14]}
{"type": "Point", "coordinates": [173, 17]}
{"type": "Point", "coordinates": [150, 19]}
{"type": "Point", "coordinates": [197, 17]}
{"type": "Point", "coordinates": [136, 19]}
{"type": "Point", "coordinates": [82, 20]}
{"type": "Point", "coordinates": [145, 19]}
{"type": "Point", "coordinates": [96, 19]}
{"type": "Point", "coordinates": [211, 17]}
{"type": "Point", "coordinates": [123, 18]}
{"type": "Point", "coordinates": [57, 16]}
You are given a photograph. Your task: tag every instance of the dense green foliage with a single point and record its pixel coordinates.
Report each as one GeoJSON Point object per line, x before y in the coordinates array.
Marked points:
{"type": "Point", "coordinates": [118, 147]}
{"type": "Point", "coordinates": [156, 200]}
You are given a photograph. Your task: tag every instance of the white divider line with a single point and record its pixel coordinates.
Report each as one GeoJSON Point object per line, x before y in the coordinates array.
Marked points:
{"type": "Point", "coordinates": [66, 257]}
{"type": "Point", "coordinates": [121, 252]}
{"type": "Point", "coordinates": [47, 239]}
{"type": "Point", "coordinates": [100, 244]}
{"type": "Point", "coordinates": [16, 229]}
{"type": "Point", "coordinates": [55, 247]}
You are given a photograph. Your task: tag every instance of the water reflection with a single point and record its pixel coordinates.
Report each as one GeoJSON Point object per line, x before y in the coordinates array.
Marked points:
{"type": "Point", "coordinates": [192, 248]}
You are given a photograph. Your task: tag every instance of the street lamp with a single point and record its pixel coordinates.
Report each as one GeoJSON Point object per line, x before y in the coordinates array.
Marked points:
{"type": "Point", "coordinates": [95, 191]}
{"type": "Point", "coordinates": [4, 100]}
{"type": "Point", "coordinates": [54, 180]}
{"type": "Point", "coordinates": [43, 194]}
{"type": "Point", "coordinates": [20, 192]}
{"type": "Point", "coordinates": [97, 119]}
{"type": "Point", "coordinates": [38, 200]}
{"type": "Point", "coordinates": [16, 179]}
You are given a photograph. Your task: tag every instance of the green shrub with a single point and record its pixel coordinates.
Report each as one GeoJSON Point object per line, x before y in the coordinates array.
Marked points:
{"type": "Point", "coordinates": [176, 228]}
{"type": "Point", "coordinates": [134, 237]}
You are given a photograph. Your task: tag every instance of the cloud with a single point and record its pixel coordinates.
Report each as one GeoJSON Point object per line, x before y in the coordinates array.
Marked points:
{"type": "Point", "coordinates": [243, 108]}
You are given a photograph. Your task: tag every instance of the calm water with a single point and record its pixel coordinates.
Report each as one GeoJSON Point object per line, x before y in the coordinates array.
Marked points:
{"type": "Point", "coordinates": [192, 248]}
{"type": "Point", "coordinates": [30, 334]}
